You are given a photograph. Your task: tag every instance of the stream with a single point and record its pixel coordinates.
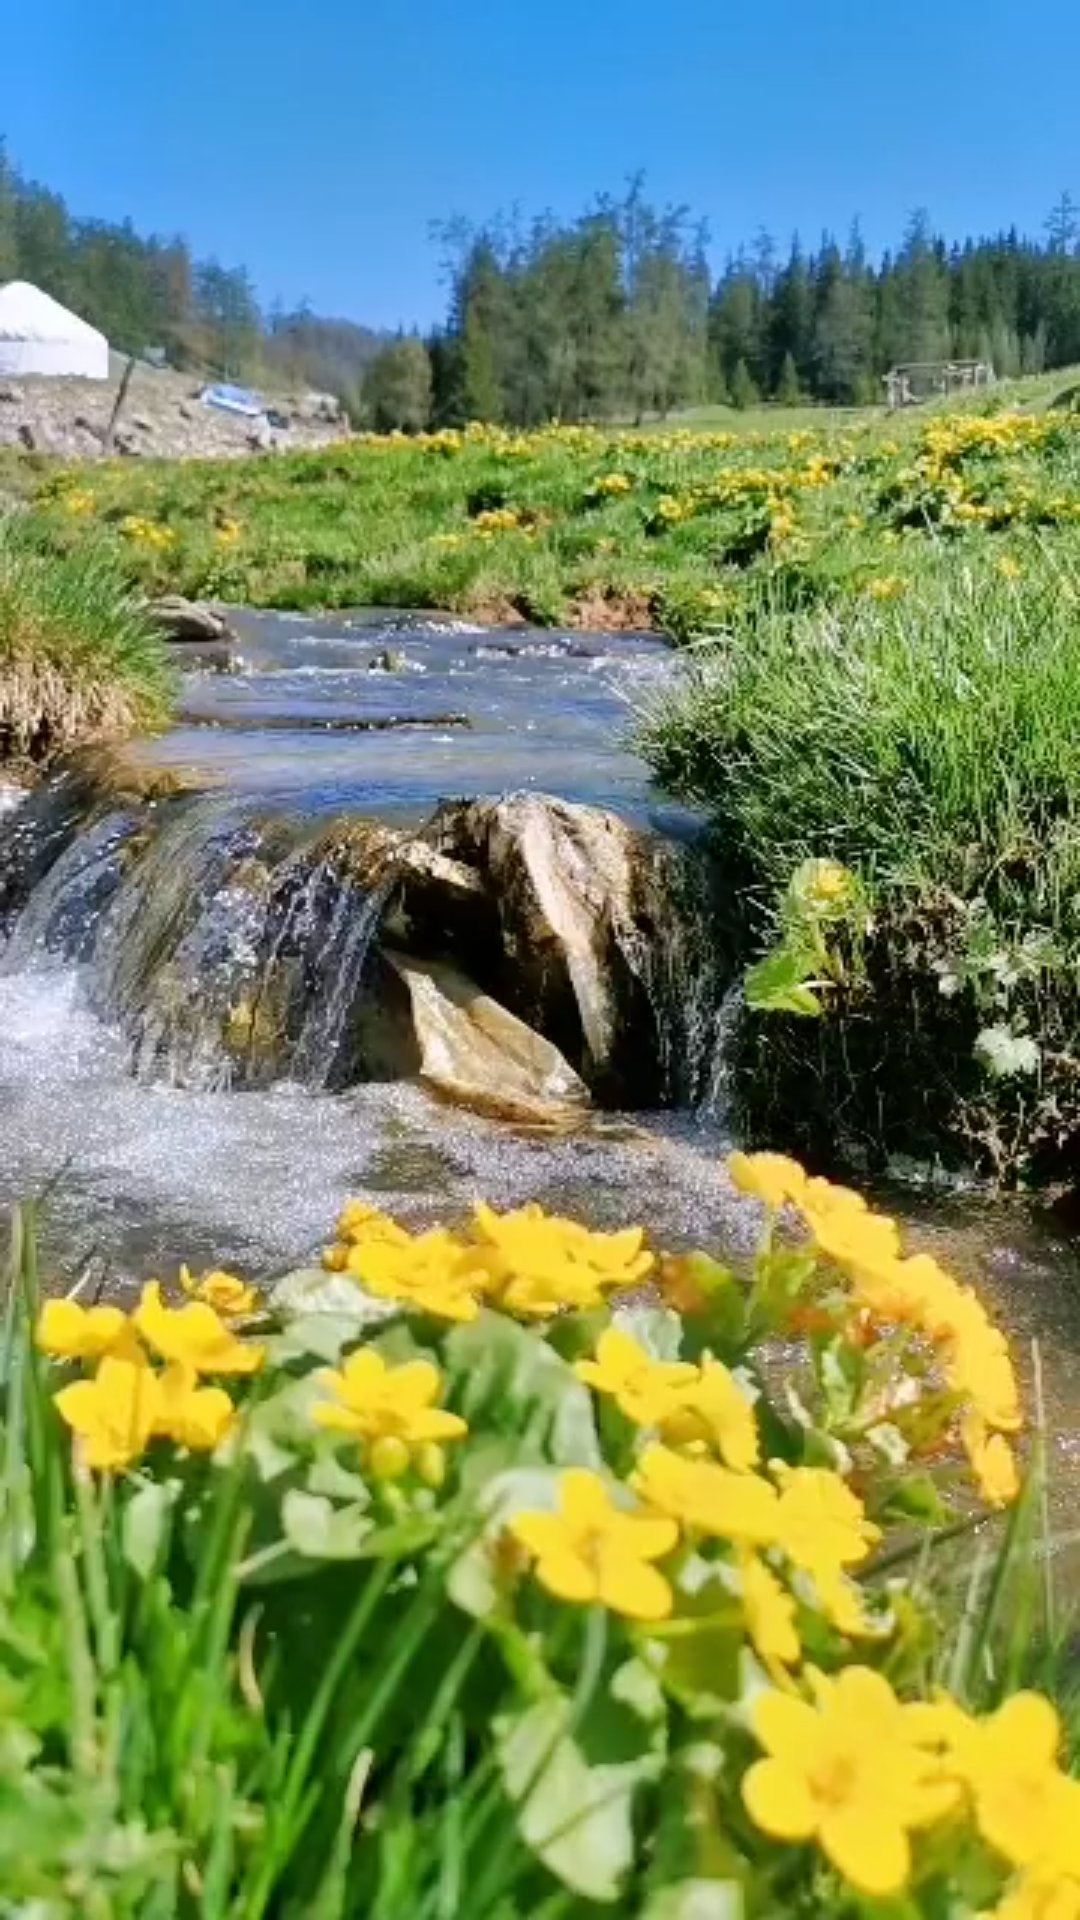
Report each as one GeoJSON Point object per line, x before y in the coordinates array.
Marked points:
{"type": "Point", "coordinates": [136, 1175]}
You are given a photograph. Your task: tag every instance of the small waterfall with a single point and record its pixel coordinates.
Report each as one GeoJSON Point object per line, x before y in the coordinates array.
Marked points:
{"type": "Point", "coordinates": [355, 922]}
{"type": "Point", "coordinates": [235, 945]}
{"type": "Point", "coordinates": [62, 918]}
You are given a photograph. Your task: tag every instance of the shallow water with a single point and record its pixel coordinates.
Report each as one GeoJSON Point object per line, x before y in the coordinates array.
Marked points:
{"type": "Point", "coordinates": [136, 1178]}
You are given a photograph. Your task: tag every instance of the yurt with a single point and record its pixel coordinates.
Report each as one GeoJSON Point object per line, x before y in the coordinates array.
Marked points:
{"type": "Point", "coordinates": [39, 336]}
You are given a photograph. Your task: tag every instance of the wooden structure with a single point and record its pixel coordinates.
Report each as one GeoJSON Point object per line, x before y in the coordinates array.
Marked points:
{"type": "Point", "coordinates": [919, 380]}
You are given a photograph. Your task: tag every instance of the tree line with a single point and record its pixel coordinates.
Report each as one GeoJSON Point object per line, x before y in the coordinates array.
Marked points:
{"type": "Point", "coordinates": [613, 314]}
{"type": "Point", "coordinates": [148, 293]}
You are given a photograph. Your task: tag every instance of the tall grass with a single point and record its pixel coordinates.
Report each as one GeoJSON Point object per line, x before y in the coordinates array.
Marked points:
{"type": "Point", "coordinates": [78, 659]}
{"type": "Point", "coordinates": [931, 742]}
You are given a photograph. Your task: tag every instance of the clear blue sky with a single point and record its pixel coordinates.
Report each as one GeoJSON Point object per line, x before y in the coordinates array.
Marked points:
{"type": "Point", "coordinates": [315, 141]}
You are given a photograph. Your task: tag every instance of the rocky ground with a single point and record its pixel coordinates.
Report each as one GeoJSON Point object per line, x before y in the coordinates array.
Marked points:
{"type": "Point", "coordinates": [162, 414]}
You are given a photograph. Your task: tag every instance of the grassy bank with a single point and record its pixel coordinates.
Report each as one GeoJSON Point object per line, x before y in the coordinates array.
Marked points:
{"type": "Point", "coordinates": [78, 659]}
{"type": "Point", "coordinates": [506, 1606]}
{"type": "Point", "coordinates": [929, 743]}
{"type": "Point", "coordinates": [679, 528]}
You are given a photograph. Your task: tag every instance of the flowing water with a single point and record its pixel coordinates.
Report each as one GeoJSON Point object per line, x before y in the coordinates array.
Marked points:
{"type": "Point", "coordinates": [153, 1138]}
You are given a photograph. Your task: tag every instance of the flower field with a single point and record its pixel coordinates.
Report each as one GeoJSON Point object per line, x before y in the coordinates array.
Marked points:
{"type": "Point", "coordinates": [466, 1576]}
{"type": "Point", "coordinates": [681, 529]}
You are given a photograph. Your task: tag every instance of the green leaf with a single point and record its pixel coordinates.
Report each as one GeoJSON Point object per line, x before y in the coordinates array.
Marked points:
{"type": "Point", "coordinates": [657, 1329]}
{"type": "Point", "coordinates": [317, 1336]}
{"type": "Point", "coordinates": [1005, 1054]}
{"type": "Point", "coordinates": [575, 1817]}
{"type": "Point", "coordinates": [473, 1582]}
{"type": "Point", "coordinates": [781, 983]}
{"type": "Point", "coordinates": [697, 1900]}
{"type": "Point", "coordinates": [508, 1378]}
{"type": "Point", "coordinates": [318, 1530]}
{"type": "Point", "coordinates": [915, 1497]}
{"type": "Point", "coordinates": [147, 1524]}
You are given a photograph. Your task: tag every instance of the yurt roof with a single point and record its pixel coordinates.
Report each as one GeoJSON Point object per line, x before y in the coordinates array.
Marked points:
{"type": "Point", "coordinates": [28, 314]}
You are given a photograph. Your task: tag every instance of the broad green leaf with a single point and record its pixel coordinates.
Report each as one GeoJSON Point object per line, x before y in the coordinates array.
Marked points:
{"type": "Point", "coordinates": [915, 1497]}
{"type": "Point", "coordinates": [146, 1525]}
{"type": "Point", "coordinates": [311, 1290]}
{"type": "Point", "coordinates": [657, 1329]}
{"type": "Point", "coordinates": [1005, 1054]}
{"type": "Point", "coordinates": [473, 1581]}
{"type": "Point", "coordinates": [314, 1527]}
{"type": "Point", "coordinates": [508, 1378]}
{"type": "Point", "coordinates": [576, 1817]}
{"type": "Point", "coordinates": [317, 1336]}
{"type": "Point", "coordinates": [782, 983]}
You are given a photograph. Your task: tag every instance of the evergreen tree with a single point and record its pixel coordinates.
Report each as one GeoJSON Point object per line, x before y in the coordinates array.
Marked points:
{"type": "Point", "coordinates": [788, 391]}
{"type": "Point", "coordinates": [397, 387]}
{"type": "Point", "coordinates": [744, 392]}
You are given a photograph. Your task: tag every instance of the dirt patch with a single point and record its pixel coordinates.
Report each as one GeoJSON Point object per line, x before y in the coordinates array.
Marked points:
{"type": "Point", "coordinates": [613, 610]}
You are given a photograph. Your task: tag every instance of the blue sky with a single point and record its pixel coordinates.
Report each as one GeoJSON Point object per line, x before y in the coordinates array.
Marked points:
{"type": "Point", "coordinates": [316, 142]}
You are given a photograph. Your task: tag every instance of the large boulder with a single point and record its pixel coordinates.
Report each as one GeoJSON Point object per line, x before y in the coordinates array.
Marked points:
{"type": "Point", "coordinates": [184, 620]}
{"type": "Point", "coordinates": [577, 897]}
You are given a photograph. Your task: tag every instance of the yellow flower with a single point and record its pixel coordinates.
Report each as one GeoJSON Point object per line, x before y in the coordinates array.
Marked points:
{"type": "Point", "coordinates": [390, 1411]}
{"type": "Point", "coordinates": [646, 1390]}
{"type": "Point", "coordinates": [716, 1413]}
{"type": "Point", "coordinates": [431, 1274]}
{"type": "Point", "coordinates": [193, 1335]}
{"type": "Point", "coordinates": [820, 1523]}
{"type": "Point", "coordinates": [592, 1551]}
{"type": "Point", "coordinates": [707, 1498]}
{"type": "Point", "coordinates": [771, 1177]}
{"type": "Point", "coordinates": [1037, 1896]}
{"type": "Point", "coordinates": [1025, 1807]}
{"type": "Point", "coordinates": [193, 1416]}
{"type": "Point", "coordinates": [847, 1774]}
{"type": "Point", "coordinates": [222, 1291]}
{"type": "Point", "coordinates": [992, 1460]}
{"type": "Point", "coordinates": [542, 1263]}
{"type": "Point", "coordinates": [112, 1415]}
{"type": "Point", "coordinates": [769, 1611]}
{"type": "Point", "coordinates": [1009, 568]}
{"type": "Point", "coordinates": [66, 1331]}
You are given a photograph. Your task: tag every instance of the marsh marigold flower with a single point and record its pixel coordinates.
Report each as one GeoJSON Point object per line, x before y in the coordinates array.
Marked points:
{"type": "Point", "coordinates": [593, 1552]}
{"type": "Point", "coordinates": [228, 1296]}
{"type": "Point", "coordinates": [193, 1335]}
{"type": "Point", "coordinates": [706, 1498]}
{"type": "Point", "coordinates": [1025, 1807]}
{"type": "Point", "coordinates": [820, 1523]}
{"type": "Point", "coordinates": [390, 1411]}
{"type": "Point", "coordinates": [432, 1273]}
{"type": "Point", "coordinates": [714, 1413]}
{"type": "Point", "coordinates": [541, 1264]}
{"type": "Point", "coordinates": [112, 1416]}
{"type": "Point", "coordinates": [67, 1331]}
{"type": "Point", "coordinates": [848, 1774]}
{"type": "Point", "coordinates": [193, 1416]}
{"type": "Point", "coordinates": [647, 1391]}
{"type": "Point", "coordinates": [769, 1611]}
{"type": "Point", "coordinates": [770, 1177]}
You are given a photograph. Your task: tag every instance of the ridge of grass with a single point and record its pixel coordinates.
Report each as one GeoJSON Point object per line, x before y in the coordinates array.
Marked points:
{"type": "Point", "coordinates": [79, 660]}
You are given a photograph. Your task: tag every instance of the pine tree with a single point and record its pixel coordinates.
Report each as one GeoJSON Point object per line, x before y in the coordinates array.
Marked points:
{"type": "Point", "coordinates": [397, 387]}
{"type": "Point", "coordinates": [788, 391]}
{"type": "Point", "coordinates": [744, 392]}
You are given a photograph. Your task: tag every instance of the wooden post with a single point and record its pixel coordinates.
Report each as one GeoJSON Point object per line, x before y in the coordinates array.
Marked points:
{"type": "Point", "coordinates": [125, 382]}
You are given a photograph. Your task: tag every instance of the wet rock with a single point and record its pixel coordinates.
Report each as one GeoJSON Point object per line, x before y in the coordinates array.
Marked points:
{"type": "Point", "coordinates": [475, 1053]}
{"type": "Point", "coordinates": [184, 620]}
{"type": "Point", "coordinates": [330, 723]}
{"type": "Point", "coordinates": [577, 895]}
{"type": "Point", "coordinates": [205, 656]}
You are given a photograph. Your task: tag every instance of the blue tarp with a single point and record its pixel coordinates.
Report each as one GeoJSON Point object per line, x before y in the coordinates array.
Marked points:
{"type": "Point", "coordinates": [234, 400]}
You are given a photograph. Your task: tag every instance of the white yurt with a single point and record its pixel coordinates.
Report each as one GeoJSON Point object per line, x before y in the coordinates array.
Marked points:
{"type": "Point", "coordinates": [39, 336]}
